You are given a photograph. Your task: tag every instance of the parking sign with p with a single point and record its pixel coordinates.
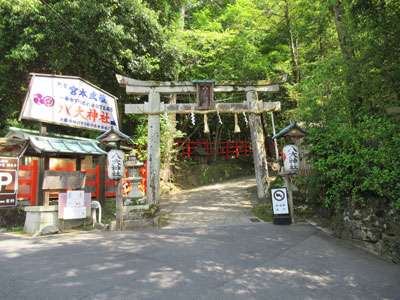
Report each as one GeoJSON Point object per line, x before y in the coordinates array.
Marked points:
{"type": "Point", "coordinates": [8, 181]}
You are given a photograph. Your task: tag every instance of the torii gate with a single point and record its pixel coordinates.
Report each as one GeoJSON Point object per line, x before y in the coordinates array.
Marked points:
{"type": "Point", "coordinates": [205, 91]}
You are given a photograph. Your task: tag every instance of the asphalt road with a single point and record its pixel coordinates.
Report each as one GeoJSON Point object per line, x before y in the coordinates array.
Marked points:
{"type": "Point", "coordinates": [248, 261]}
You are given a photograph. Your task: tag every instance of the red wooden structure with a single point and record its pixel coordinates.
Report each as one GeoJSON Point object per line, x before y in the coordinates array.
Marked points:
{"type": "Point", "coordinates": [225, 149]}
{"type": "Point", "coordinates": [33, 178]}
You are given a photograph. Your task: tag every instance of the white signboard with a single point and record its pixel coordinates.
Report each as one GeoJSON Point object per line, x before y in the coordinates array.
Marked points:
{"type": "Point", "coordinates": [69, 101]}
{"type": "Point", "coordinates": [74, 213]}
{"type": "Point", "coordinates": [115, 164]}
{"type": "Point", "coordinates": [75, 198]}
{"type": "Point", "coordinates": [74, 205]}
{"type": "Point", "coordinates": [280, 203]}
{"type": "Point", "coordinates": [75, 208]}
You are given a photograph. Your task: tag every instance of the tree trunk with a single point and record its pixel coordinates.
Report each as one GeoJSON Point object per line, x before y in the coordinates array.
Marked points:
{"type": "Point", "coordinates": [344, 39]}
{"type": "Point", "coordinates": [267, 136]}
{"type": "Point", "coordinates": [217, 141]}
{"type": "Point", "coordinates": [293, 45]}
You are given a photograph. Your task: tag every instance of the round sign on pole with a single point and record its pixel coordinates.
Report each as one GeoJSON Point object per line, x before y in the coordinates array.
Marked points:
{"type": "Point", "coordinates": [115, 164]}
{"type": "Point", "coordinates": [279, 201]}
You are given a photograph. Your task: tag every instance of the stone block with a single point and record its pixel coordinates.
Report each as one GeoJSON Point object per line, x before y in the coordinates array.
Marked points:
{"type": "Point", "coordinates": [375, 248]}
{"type": "Point", "coordinates": [135, 215]}
{"type": "Point", "coordinates": [49, 230]}
{"type": "Point", "coordinates": [141, 223]}
{"type": "Point", "coordinates": [38, 217]}
{"type": "Point", "coordinates": [130, 208]}
{"type": "Point", "coordinates": [112, 226]}
{"type": "Point", "coordinates": [368, 234]}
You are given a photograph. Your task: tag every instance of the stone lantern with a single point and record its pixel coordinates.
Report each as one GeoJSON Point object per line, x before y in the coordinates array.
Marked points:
{"type": "Point", "coordinates": [116, 168]}
{"type": "Point", "coordinates": [134, 178]}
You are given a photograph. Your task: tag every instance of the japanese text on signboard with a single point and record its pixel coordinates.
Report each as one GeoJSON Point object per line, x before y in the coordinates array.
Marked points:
{"type": "Point", "coordinates": [115, 162]}
{"type": "Point", "coordinates": [279, 201]}
{"type": "Point", "coordinates": [70, 102]}
{"type": "Point", "coordinates": [291, 158]}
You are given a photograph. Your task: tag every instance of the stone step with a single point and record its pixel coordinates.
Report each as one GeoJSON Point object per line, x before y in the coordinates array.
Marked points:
{"type": "Point", "coordinates": [142, 223]}
{"type": "Point", "coordinates": [135, 215]}
{"type": "Point", "coordinates": [129, 208]}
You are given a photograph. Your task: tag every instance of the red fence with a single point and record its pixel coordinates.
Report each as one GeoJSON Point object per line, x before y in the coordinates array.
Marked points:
{"type": "Point", "coordinates": [31, 182]}
{"type": "Point", "coordinates": [225, 149]}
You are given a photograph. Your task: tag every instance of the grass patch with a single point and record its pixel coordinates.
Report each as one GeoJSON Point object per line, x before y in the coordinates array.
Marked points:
{"type": "Point", "coordinates": [263, 212]}
{"type": "Point", "coordinates": [163, 221]}
{"type": "Point", "coordinates": [108, 211]}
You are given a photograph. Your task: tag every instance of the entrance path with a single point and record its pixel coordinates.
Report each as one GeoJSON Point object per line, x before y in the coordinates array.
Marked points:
{"type": "Point", "coordinates": [219, 204]}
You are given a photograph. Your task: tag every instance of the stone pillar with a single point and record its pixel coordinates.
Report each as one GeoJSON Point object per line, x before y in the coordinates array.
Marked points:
{"type": "Point", "coordinates": [258, 143]}
{"type": "Point", "coordinates": [153, 151]}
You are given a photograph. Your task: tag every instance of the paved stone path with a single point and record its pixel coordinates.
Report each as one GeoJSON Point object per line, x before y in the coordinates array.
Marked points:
{"type": "Point", "coordinates": [219, 204]}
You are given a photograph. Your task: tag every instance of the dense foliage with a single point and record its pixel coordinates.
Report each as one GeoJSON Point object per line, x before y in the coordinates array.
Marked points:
{"type": "Point", "coordinates": [354, 142]}
{"type": "Point", "coordinates": [343, 58]}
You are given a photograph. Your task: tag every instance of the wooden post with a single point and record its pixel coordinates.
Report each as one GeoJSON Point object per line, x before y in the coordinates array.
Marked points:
{"type": "Point", "coordinates": [43, 161]}
{"type": "Point", "coordinates": [288, 183]}
{"type": "Point", "coordinates": [102, 178]}
{"type": "Point", "coordinates": [153, 151]}
{"type": "Point", "coordinates": [259, 154]}
{"type": "Point", "coordinates": [78, 163]}
{"type": "Point", "coordinates": [34, 182]}
{"type": "Point", "coordinates": [119, 205]}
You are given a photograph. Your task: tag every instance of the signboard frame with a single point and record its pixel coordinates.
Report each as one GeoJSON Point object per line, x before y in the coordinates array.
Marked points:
{"type": "Point", "coordinates": [9, 168]}
{"type": "Point", "coordinates": [75, 209]}
{"type": "Point", "coordinates": [79, 109]}
{"type": "Point", "coordinates": [279, 199]}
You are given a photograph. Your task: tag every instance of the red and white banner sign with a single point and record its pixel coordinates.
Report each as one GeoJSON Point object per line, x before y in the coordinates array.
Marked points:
{"type": "Point", "coordinates": [69, 101]}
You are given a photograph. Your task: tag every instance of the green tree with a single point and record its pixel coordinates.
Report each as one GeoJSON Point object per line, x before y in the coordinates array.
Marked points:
{"type": "Point", "coordinates": [91, 39]}
{"type": "Point", "coordinates": [354, 142]}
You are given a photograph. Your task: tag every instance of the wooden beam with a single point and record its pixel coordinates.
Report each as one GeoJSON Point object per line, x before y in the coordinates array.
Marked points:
{"type": "Point", "coordinates": [126, 81]}
{"type": "Point", "coordinates": [144, 90]}
{"type": "Point", "coordinates": [235, 89]}
{"type": "Point", "coordinates": [140, 87]}
{"type": "Point", "coordinates": [184, 108]}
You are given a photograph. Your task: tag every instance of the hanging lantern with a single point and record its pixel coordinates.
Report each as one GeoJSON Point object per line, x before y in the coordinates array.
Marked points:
{"type": "Point", "coordinates": [206, 129]}
{"type": "Point", "coordinates": [237, 128]}
{"type": "Point", "coordinates": [291, 159]}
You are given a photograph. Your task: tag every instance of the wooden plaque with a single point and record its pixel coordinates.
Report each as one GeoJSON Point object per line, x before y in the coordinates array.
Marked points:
{"type": "Point", "coordinates": [59, 180]}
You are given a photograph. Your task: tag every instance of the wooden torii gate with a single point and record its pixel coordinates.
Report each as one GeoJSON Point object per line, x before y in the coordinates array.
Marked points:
{"type": "Point", "coordinates": [204, 90]}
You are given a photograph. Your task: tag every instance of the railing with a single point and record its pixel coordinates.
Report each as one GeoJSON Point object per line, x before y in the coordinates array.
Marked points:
{"type": "Point", "coordinates": [30, 183]}
{"type": "Point", "coordinates": [225, 149]}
